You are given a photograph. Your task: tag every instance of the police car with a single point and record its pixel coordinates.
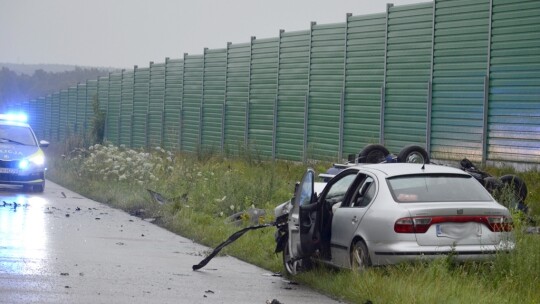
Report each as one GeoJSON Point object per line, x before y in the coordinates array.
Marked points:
{"type": "Point", "coordinates": [22, 162]}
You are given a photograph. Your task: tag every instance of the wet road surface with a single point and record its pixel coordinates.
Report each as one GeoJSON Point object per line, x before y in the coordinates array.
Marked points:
{"type": "Point", "coordinates": [58, 247]}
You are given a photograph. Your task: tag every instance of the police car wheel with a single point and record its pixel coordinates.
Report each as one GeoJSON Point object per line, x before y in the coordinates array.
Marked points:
{"type": "Point", "coordinates": [39, 188]}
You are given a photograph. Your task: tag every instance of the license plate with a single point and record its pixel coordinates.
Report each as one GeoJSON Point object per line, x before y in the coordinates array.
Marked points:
{"type": "Point", "coordinates": [458, 230]}
{"type": "Point", "coordinates": [9, 170]}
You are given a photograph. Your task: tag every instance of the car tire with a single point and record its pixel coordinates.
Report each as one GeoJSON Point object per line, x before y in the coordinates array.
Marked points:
{"type": "Point", "coordinates": [373, 154]}
{"type": "Point", "coordinates": [360, 260]}
{"type": "Point", "coordinates": [516, 184]}
{"type": "Point", "coordinates": [413, 154]}
{"type": "Point", "coordinates": [39, 188]}
{"type": "Point", "coordinates": [292, 268]}
{"type": "Point", "coordinates": [491, 184]}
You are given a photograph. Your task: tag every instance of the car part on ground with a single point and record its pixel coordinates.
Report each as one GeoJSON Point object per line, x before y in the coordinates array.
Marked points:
{"type": "Point", "coordinates": [510, 190]}
{"type": "Point", "coordinates": [228, 241]}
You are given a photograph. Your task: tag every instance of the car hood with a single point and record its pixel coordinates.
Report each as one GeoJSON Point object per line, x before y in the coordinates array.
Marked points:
{"type": "Point", "coordinates": [14, 151]}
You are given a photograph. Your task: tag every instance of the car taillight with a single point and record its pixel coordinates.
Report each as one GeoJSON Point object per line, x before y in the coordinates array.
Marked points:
{"type": "Point", "coordinates": [412, 224]}
{"type": "Point", "coordinates": [404, 225]}
{"type": "Point", "coordinates": [500, 223]}
{"type": "Point", "coordinates": [421, 224]}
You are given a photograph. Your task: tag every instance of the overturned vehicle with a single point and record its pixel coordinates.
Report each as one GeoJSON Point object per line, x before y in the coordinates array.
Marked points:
{"type": "Point", "coordinates": [389, 212]}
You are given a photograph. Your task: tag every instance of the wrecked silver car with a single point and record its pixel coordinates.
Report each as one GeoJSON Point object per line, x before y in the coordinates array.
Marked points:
{"type": "Point", "coordinates": [380, 214]}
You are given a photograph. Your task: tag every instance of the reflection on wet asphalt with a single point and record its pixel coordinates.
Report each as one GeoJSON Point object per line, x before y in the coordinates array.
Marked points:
{"type": "Point", "coordinates": [23, 240]}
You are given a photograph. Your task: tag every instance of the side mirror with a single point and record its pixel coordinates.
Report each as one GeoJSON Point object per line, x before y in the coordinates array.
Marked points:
{"type": "Point", "coordinates": [43, 143]}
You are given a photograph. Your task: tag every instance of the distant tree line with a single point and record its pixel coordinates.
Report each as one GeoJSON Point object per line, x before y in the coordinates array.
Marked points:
{"type": "Point", "coordinates": [15, 87]}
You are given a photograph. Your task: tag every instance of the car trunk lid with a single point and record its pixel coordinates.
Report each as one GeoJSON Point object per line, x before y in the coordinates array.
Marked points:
{"type": "Point", "coordinates": [463, 223]}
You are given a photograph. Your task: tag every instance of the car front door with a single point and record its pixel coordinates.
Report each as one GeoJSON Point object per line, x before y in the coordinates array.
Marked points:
{"type": "Point", "coordinates": [302, 218]}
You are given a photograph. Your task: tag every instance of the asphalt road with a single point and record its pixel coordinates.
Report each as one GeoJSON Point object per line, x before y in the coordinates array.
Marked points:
{"type": "Point", "coordinates": [59, 247]}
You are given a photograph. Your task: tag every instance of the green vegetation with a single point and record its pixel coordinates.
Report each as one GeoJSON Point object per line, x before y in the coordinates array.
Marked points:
{"type": "Point", "coordinates": [204, 190]}
{"type": "Point", "coordinates": [25, 82]}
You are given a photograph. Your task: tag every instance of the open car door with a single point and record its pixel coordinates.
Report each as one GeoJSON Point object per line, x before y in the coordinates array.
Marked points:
{"type": "Point", "coordinates": [302, 228]}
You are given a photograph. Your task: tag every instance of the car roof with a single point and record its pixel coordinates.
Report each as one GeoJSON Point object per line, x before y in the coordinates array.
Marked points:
{"type": "Point", "coordinates": [396, 169]}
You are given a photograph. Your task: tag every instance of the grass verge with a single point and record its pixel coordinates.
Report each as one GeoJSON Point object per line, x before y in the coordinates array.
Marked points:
{"type": "Point", "coordinates": [204, 190]}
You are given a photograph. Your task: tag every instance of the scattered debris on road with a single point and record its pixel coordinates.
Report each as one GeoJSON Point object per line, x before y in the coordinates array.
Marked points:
{"type": "Point", "coordinates": [231, 239]}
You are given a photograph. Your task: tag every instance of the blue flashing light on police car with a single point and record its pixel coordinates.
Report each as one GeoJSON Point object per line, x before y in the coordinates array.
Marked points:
{"type": "Point", "coordinates": [19, 117]}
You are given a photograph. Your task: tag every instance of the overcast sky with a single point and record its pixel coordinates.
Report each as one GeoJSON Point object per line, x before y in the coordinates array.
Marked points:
{"type": "Point", "coordinates": [122, 33]}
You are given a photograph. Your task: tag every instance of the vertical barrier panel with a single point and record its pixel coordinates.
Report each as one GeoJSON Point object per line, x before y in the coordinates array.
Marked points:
{"type": "Point", "coordinates": [91, 95]}
{"type": "Point", "coordinates": [193, 88]}
{"type": "Point", "coordinates": [56, 117]}
{"type": "Point", "coordinates": [40, 109]}
{"type": "Point", "coordinates": [408, 73]}
{"type": "Point", "coordinates": [514, 93]}
{"type": "Point", "coordinates": [81, 108]}
{"type": "Point", "coordinates": [113, 107]}
{"type": "Point", "coordinates": [33, 118]}
{"type": "Point", "coordinates": [262, 94]}
{"type": "Point", "coordinates": [103, 92]}
{"type": "Point", "coordinates": [47, 125]}
{"type": "Point", "coordinates": [140, 106]}
{"type": "Point", "coordinates": [155, 107]}
{"type": "Point", "coordinates": [293, 76]}
{"type": "Point", "coordinates": [215, 65]}
{"type": "Point", "coordinates": [174, 86]}
{"type": "Point", "coordinates": [64, 102]}
{"type": "Point", "coordinates": [72, 110]}
{"type": "Point", "coordinates": [126, 116]}
{"type": "Point", "coordinates": [30, 109]}
{"type": "Point", "coordinates": [39, 122]}
{"type": "Point", "coordinates": [459, 67]}
{"type": "Point", "coordinates": [238, 66]}
{"type": "Point", "coordinates": [103, 99]}
{"type": "Point", "coordinates": [326, 85]}
{"type": "Point", "coordinates": [364, 79]}
{"type": "Point", "coordinates": [41, 106]}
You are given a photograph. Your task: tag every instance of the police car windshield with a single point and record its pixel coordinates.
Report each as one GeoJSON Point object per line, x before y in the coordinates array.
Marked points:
{"type": "Point", "coordinates": [16, 135]}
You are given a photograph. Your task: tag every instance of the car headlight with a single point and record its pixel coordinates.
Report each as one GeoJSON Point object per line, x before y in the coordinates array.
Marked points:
{"type": "Point", "coordinates": [35, 160]}
{"type": "Point", "coordinates": [38, 159]}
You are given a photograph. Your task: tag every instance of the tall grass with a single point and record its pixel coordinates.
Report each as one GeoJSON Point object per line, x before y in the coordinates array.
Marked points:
{"type": "Point", "coordinates": [204, 189]}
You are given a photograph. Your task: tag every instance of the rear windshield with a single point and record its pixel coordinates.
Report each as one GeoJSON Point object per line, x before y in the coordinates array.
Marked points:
{"type": "Point", "coordinates": [437, 188]}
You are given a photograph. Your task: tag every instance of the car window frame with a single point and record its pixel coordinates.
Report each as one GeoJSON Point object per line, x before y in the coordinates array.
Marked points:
{"type": "Point", "coordinates": [356, 193]}
{"type": "Point", "coordinates": [335, 180]}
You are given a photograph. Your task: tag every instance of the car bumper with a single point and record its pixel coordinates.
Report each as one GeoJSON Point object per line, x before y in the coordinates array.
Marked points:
{"type": "Point", "coordinates": [23, 178]}
{"type": "Point", "coordinates": [410, 252]}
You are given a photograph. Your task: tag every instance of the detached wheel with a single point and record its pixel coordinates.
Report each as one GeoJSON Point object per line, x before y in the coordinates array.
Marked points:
{"type": "Point", "coordinates": [413, 154]}
{"type": "Point", "coordinates": [373, 154]}
{"type": "Point", "coordinates": [517, 185]}
{"type": "Point", "coordinates": [360, 260]}
{"type": "Point", "coordinates": [294, 267]}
